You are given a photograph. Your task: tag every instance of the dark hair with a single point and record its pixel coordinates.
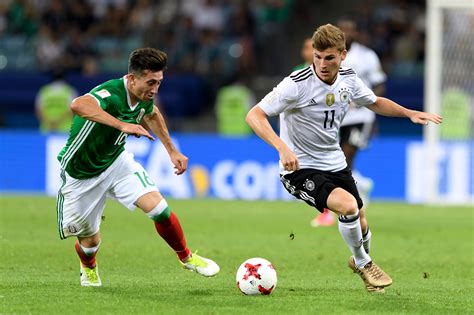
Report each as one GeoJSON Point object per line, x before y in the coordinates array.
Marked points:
{"type": "Point", "coordinates": [143, 59]}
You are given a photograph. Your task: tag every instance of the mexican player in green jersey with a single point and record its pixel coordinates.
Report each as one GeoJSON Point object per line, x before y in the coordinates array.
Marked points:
{"type": "Point", "coordinates": [96, 165]}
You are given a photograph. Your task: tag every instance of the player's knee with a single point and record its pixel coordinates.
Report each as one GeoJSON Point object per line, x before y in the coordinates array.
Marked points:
{"type": "Point", "coordinates": [349, 207]}
{"type": "Point", "coordinates": [89, 241]}
{"type": "Point", "coordinates": [149, 201]}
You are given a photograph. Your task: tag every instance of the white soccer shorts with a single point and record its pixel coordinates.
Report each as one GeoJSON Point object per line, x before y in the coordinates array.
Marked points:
{"type": "Point", "coordinates": [81, 202]}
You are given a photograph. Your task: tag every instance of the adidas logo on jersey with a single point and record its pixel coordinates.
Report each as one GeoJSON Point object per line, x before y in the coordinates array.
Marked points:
{"type": "Point", "coordinates": [312, 102]}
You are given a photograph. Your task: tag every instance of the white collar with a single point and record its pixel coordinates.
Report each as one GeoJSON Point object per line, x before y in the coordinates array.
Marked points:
{"type": "Point", "coordinates": [129, 101]}
{"type": "Point", "coordinates": [313, 69]}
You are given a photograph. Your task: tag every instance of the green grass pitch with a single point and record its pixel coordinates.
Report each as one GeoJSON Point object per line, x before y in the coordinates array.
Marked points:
{"type": "Point", "coordinates": [427, 251]}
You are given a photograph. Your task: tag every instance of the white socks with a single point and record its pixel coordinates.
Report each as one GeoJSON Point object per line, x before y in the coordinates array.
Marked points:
{"type": "Point", "coordinates": [89, 251]}
{"type": "Point", "coordinates": [155, 213]}
{"type": "Point", "coordinates": [349, 227]}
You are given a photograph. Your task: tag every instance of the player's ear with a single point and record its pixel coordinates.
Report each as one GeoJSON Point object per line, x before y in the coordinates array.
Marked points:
{"type": "Point", "coordinates": [343, 54]}
{"type": "Point", "coordinates": [131, 78]}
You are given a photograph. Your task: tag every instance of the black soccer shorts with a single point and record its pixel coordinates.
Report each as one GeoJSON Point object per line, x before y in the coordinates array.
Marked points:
{"type": "Point", "coordinates": [357, 135]}
{"type": "Point", "coordinates": [314, 186]}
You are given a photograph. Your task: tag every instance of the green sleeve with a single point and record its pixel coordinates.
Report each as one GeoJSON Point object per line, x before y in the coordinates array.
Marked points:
{"type": "Point", "coordinates": [102, 96]}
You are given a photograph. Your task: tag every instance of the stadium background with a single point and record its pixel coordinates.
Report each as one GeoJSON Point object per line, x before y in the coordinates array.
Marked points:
{"type": "Point", "coordinates": [210, 44]}
{"type": "Point", "coordinates": [427, 249]}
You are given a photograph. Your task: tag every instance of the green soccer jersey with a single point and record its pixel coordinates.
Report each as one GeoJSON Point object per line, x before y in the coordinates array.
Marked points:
{"type": "Point", "coordinates": [91, 146]}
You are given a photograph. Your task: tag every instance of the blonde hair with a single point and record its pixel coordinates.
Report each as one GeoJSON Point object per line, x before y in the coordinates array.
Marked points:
{"type": "Point", "coordinates": [328, 36]}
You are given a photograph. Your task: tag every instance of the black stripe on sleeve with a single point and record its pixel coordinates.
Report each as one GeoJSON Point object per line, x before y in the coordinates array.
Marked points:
{"type": "Point", "coordinates": [346, 71]}
{"type": "Point", "coordinates": [303, 78]}
{"type": "Point", "coordinates": [301, 73]}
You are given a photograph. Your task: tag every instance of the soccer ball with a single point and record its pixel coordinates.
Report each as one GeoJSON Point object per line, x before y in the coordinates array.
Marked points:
{"type": "Point", "coordinates": [256, 276]}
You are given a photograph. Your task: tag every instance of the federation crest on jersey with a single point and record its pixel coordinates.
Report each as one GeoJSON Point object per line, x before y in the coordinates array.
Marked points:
{"type": "Point", "coordinates": [344, 96]}
{"type": "Point", "coordinates": [330, 99]}
{"type": "Point", "coordinates": [72, 228]}
{"type": "Point", "coordinates": [309, 185]}
{"type": "Point", "coordinates": [140, 115]}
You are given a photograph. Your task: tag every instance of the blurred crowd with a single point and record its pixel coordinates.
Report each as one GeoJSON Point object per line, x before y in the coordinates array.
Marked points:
{"type": "Point", "coordinates": [214, 38]}
{"type": "Point", "coordinates": [395, 30]}
{"type": "Point", "coordinates": [208, 37]}
{"type": "Point", "coordinates": [251, 43]}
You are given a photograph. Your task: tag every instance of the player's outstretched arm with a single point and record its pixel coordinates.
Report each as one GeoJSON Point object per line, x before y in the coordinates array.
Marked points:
{"type": "Point", "coordinates": [156, 123]}
{"type": "Point", "coordinates": [386, 107]}
{"type": "Point", "coordinates": [258, 121]}
{"type": "Point", "coordinates": [87, 107]}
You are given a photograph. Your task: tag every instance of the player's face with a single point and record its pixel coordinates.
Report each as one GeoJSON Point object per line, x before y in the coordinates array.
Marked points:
{"type": "Point", "coordinates": [327, 63]}
{"type": "Point", "coordinates": [144, 87]}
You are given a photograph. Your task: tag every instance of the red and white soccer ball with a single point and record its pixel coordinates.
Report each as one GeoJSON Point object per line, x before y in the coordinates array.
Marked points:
{"type": "Point", "coordinates": [256, 276]}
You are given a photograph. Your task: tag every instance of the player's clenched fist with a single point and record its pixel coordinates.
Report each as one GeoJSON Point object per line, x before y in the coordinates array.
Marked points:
{"type": "Point", "coordinates": [289, 160]}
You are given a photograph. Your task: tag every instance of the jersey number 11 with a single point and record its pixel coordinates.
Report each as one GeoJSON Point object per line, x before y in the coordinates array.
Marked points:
{"type": "Point", "coordinates": [327, 118]}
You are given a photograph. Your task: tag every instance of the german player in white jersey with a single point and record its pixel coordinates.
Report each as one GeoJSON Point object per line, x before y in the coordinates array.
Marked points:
{"type": "Point", "coordinates": [311, 104]}
{"type": "Point", "coordinates": [95, 164]}
{"type": "Point", "coordinates": [357, 126]}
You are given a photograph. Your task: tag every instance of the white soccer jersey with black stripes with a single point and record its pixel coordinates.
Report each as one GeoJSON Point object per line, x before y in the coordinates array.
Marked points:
{"type": "Point", "coordinates": [311, 112]}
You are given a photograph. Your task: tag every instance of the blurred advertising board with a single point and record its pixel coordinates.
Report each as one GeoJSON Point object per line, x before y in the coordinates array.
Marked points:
{"type": "Point", "coordinates": [242, 168]}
